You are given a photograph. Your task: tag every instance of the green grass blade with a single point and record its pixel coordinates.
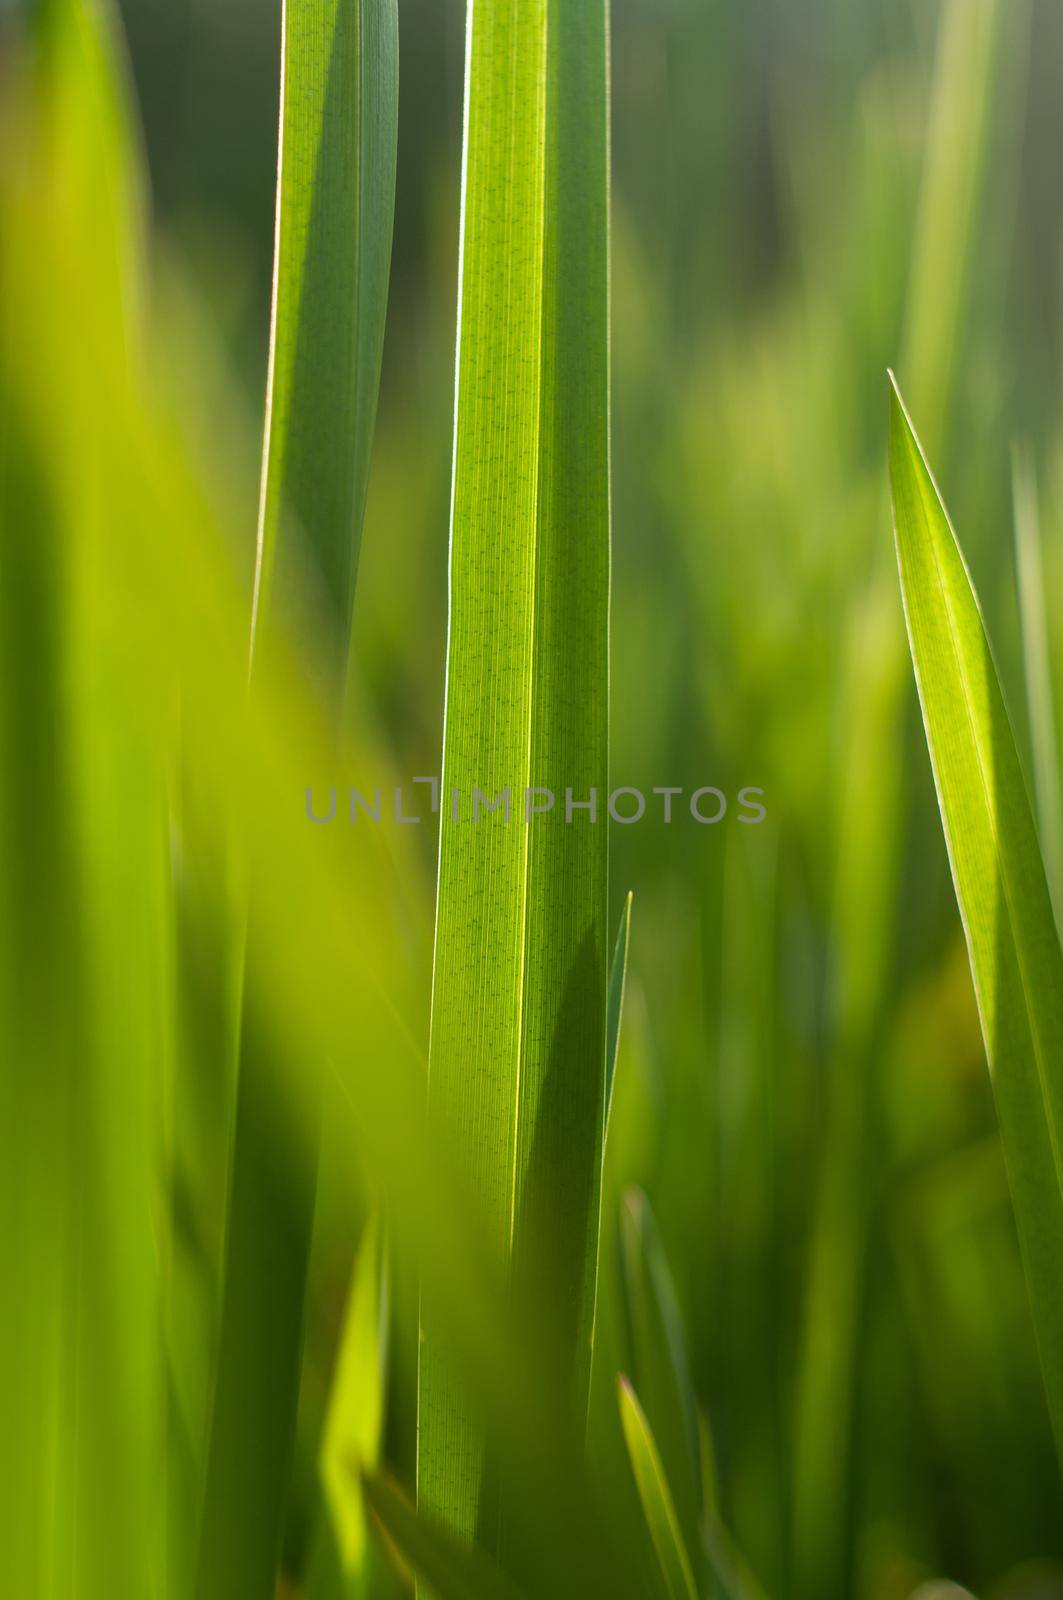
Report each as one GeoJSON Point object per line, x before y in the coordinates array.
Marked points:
{"type": "Point", "coordinates": [998, 874]}
{"type": "Point", "coordinates": [335, 205]}
{"type": "Point", "coordinates": [563, 1048]}
{"type": "Point", "coordinates": [335, 200]}
{"type": "Point", "coordinates": [84, 905]}
{"type": "Point", "coordinates": [1029, 561]}
{"type": "Point", "coordinates": [968, 52]}
{"type": "Point", "coordinates": [354, 1424]}
{"type": "Point", "coordinates": [519, 991]}
{"type": "Point", "coordinates": [659, 1363]}
{"type": "Point", "coordinates": [970, 40]}
{"type": "Point", "coordinates": [452, 1569]}
{"type": "Point", "coordinates": [656, 1498]}
{"type": "Point", "coordinates": [337, 1005]}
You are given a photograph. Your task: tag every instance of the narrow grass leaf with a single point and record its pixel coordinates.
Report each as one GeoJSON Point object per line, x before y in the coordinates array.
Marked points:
{"type": "Point", "coordinates": [335, 207]}
{"type": "Point", "coordinates": [335, 202]}
{"type": "Point", "coordinates": [518, 1045]}
{"type": "Point", "coordinates": [656, 1498]}
{"type": "Point", "coordinates": [84, 909]}
{"type": "Point", "coordinates": [998, 875]}
{"type": "Point", "coordinates": [659, 1363]}
{"type": "Point", "coordinates": [957, 140]}
{"type": "Point", "coordinates": [354, 1422]}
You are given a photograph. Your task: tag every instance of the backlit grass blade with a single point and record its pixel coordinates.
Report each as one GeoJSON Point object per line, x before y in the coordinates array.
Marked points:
{"type": "Point", "coordinates": [998, 874]}
{"type": "Point", "coordinates": [335, 199]}
{"type": "Point", "coordinates": [519, 992]}
{"type": "Point", "coordinates": [339, 1005]}
{"type": "Point", "coordinates": [656, 1498]}
{"type": "Point", "coordinates": [707, 1557]}
{"type": "Point", "coordinates": [354, 1424]}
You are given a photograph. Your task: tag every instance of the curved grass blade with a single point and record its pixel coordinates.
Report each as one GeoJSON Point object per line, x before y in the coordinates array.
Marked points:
{"type": "Point", "coordinates": [518, 1045]}
{"type": "Point", "coordinates": [656, 1498]}
{"type": "Point", "coordinates": [998, 875]}
{"type": "Point", "coordinates": [335, 202]}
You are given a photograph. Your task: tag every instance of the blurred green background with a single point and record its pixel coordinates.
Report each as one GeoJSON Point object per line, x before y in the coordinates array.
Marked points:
{"type": "Point", "coordinates": [805, 192]}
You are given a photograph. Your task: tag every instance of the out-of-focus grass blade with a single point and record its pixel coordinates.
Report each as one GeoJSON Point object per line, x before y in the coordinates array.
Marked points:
{"type": "Point", "coordinates": [335, 205]}
{"type": "Point", "coordinates": [998, 874]}
{"type": "Point", "coordinates": [335, 202]}
{"type": "Point", "coordinates": [1030, 566]}
{"type": "Point", "coordinates": [519, 993]}
{"type": "Point", "coordinates": [659, 1364]}
{"type": "Point", "coordinates": [960, 114]}
{"type": "Point", "coordinates": [957, 135]}
{"type": "Point", "coordinates": [454, 1570]}
{"type": "Point", "coordinates": [83, 903]}
{"type": "Point", "coordinates": [615, 1016]}
{"type": "Point", "coordinates": [354, 1424]}
{"type": "Point", "coordinates": [729, 1571]}
{"type": "Point", "coordinates": [656, 1498]}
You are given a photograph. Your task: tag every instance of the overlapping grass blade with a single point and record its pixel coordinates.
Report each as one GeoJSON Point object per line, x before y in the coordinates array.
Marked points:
{"type": "Point", "coordinates": [336, 1004]}
{"type": "Point", "coordinates": [335, 200]}
{"type": "Point", "coordinates": [519, 992]}
{"type": "Point", "coordinates": [453, 1570]}
{"type": "Point", "coordinates": [998, 875]}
